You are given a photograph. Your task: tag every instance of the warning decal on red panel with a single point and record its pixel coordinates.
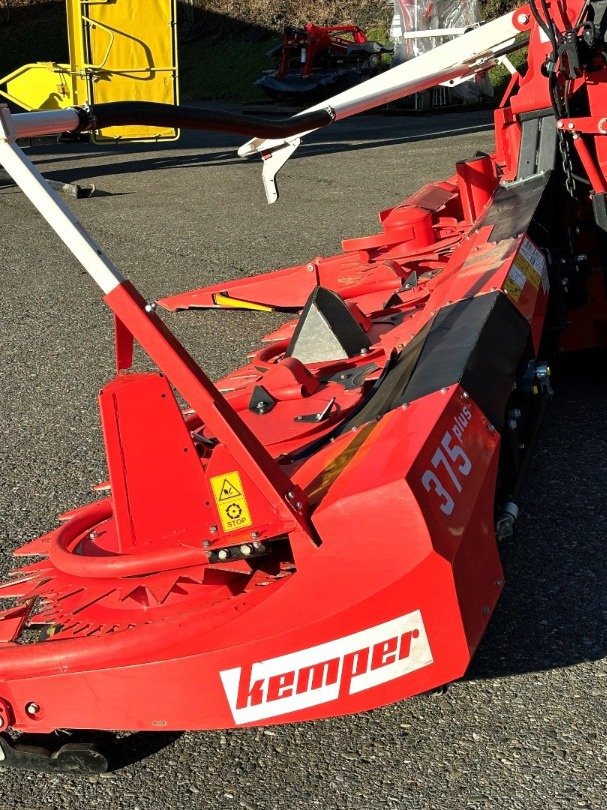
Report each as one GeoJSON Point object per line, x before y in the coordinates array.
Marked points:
{"type": "Point", "coordinates": [231, 502]}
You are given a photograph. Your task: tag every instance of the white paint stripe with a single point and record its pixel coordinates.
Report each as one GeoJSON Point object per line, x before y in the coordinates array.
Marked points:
{"type": "Point", "coordinates": [59, 217]}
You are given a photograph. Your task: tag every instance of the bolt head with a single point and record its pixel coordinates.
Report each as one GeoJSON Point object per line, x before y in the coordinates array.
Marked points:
{"type": "Point", "coordinates": [522, 19]}
{"type": "Point", "coordinates": [32, 708]}
{"type": "Point", "coordinates": [246, 550]}
{"type": "Point", "coordinates": [223, 554]}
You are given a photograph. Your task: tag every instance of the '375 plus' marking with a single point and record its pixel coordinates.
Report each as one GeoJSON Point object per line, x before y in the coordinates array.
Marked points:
{"type": "Point", "coordinates": [450, 464]}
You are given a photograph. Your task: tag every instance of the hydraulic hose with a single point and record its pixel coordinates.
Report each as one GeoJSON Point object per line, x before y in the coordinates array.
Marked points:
{"type": "Point", "coordinates": [145, 113]}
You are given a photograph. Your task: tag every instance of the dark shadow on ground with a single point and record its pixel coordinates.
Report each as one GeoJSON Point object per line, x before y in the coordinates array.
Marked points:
{"type": "Point", "coordinates": [119, 750]}
{"type": "Point", "coordinates": [344, 137]}
{"type": "Point", "coordinates": [554, 607]}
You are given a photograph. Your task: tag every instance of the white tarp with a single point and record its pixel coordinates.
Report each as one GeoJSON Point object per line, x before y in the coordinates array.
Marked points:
{"type": "Point", "coordinates": [411, 16]}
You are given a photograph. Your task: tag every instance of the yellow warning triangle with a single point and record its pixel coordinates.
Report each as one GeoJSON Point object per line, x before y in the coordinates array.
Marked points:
{"type": "Point", "coordinates": [228, 491]}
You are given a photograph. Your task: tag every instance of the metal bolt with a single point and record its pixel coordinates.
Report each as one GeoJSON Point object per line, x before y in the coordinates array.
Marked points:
{"type": "Point", "coordinates": [1, 721]}
{"type": "Point", "coordinates": [522, 19]}
{"type": "Point", "coordinates": [490, 427]}
{"type": "Point", "coordinates": [213, 529]}
{"type": "Point", "coordinates": [299, 505]}
{"type": "Point", "coordinates": [223, 554]}
{"type": "Point", "coordinates": [206, 543]}
{"type": "Point", "coordinates": [151, 307]}
{"type": "Point", "coordinates": [465, 395]}
{"type": "Point", "coordinates": [364, 351]}
{"type": "Point", "coordinates": [290, 495]}
{"type": "Point", "coordinates": [254, 535]}
{"type": "Point", "coordinates": [443, 390]}
{"type": "Point", "coordinates": [570, 125]}
{"type": "Point", "coordinates": [246, 550]}
{"type": "Point", "coordinates": [311, 267]}
{"type": "Point", "coordinates": [94, 535]}
{"type": "Point", "coordinates": [542, 371]}
{"type": "Point", "coordinates": [32, 708]}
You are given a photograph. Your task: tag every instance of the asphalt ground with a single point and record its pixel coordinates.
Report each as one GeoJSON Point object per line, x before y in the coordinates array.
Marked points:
{"type": "Point", "coordinates": [526, 727]}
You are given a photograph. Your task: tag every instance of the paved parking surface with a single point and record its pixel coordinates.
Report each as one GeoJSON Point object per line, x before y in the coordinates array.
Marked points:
{"type": "Point", "coordinates": [526, 728]}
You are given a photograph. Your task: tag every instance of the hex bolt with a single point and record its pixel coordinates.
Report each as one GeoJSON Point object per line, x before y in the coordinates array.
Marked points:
{"type": "Point", "coordinates": [246, 550]}
{"type": "Point", "coordinates": [32, 708]}
{"type": "Point", "coordinates": [151, 307]}
{"type": "Point", "coordinates": [223, 554]}
{"type": "Point", "coordinates": [542, 371]}
{"type": "Point", "coordinates": [213, 529]}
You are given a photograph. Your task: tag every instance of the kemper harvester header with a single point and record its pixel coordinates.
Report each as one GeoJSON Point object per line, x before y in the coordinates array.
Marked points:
{"type": "Point", "coordinates": [316, 533]}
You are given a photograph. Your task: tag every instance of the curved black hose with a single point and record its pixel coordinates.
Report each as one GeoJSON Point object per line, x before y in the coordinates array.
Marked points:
{"type": "Point", "coordinates": [148, 113]}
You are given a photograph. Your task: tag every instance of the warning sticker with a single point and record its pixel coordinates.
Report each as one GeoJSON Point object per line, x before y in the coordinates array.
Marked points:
{"type": "Point", "coordinates": [532, 263]}
{"type": "Point", "coordinates": [529, 266]}
{"type": "Point", "coordinates": [515, 282]}
{"type": "Point", "coordinates": [231, 502]}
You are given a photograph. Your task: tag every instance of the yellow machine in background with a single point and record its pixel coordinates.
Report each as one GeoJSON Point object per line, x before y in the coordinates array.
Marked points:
{"type": "Point", "coordinates": [120, 50]}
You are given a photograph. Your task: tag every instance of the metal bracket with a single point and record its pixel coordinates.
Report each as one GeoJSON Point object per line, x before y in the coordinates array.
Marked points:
{"type": "Point", "coordinates": [79, 758]}
{"type": "Point", "coordinates": [273, 161]}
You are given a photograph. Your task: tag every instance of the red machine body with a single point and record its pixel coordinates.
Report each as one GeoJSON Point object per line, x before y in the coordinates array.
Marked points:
{"type": "Point", "coordinates": [322, 58]}
{"type": "Point", "coordinates": [316, 534]}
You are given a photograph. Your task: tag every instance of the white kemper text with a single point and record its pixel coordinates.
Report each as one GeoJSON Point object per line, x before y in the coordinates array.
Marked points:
{"type": "Point", "coordinates": [329, 671]}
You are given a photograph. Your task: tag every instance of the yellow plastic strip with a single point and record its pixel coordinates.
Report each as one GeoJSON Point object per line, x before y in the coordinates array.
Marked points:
{"type": "Point", "coordinates": [227, 302]}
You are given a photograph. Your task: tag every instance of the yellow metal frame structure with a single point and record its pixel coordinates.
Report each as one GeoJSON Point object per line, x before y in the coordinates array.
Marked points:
{"type": "Point", "coordinates": [120, 50]}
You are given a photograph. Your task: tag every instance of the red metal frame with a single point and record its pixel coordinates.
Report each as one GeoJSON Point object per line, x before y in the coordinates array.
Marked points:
{"type": "Point", "coordinates": [309, 41]}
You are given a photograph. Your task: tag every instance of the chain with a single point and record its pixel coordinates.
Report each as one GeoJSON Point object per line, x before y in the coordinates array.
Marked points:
{"type": "Point", "coordinates": [565, 151]}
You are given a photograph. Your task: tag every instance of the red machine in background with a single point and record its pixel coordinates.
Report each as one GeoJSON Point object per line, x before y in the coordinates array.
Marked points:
{"type": "Point", "coordinates": [317, 60]}
{"type": "Point", "coordinates": [317, 533]}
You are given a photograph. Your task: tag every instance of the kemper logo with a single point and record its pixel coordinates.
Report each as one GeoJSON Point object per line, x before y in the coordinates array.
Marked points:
{"type": "Point", "coordinates": [329, 671]}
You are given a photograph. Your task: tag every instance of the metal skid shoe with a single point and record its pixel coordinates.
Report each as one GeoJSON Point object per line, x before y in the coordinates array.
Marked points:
{"type": "Point", "coordinates": [74, 758]}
